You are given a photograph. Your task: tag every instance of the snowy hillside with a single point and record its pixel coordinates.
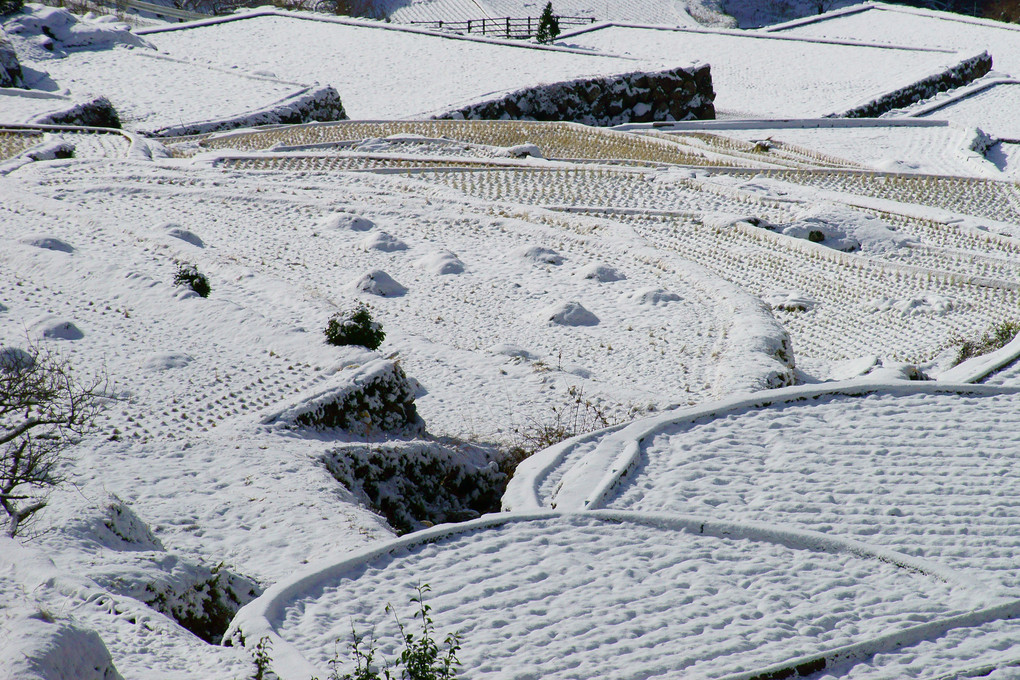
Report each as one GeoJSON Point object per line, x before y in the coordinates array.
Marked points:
{"type": "Point", "coordinates": [727, 346]}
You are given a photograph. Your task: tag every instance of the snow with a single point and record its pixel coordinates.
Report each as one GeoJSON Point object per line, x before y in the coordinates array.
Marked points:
{"type": "Point", "coordinates": [751, 527]}
{"type": "Point", "coordinates": [748, 70]}
{"type": "Point", "coordinates": [422, 72]}
{"type": "Point", "coordinates": [894, 25]}
{"type": "Point", "coordinates": [740, 597]}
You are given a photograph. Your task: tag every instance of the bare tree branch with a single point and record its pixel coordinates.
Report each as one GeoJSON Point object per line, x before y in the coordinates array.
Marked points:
{"type": "Point", "coordinates": [44, 410]}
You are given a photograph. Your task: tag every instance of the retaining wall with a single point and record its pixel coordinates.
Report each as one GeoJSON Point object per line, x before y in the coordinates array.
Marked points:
{"type": "Point", "coordinates": [683, 93]}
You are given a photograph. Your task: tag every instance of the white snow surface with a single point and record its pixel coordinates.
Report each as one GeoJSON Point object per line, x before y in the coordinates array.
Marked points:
{"type": "Point", "coordinates": [871, 467]}
{"type": "Point", "coordinates": [382, 71]}
{"type": "Point", "coordinates": [757, 76]}
{"type": "Point", "coordinates": [896, 25]}
{"type": "Point", "coordinates": [739, 598]}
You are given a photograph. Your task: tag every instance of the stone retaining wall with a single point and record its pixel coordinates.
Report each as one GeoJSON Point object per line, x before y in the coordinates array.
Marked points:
{"type": "Point", "coordinates": [640, 97]}
{"type": "Point", "coordinates": [959, 74]}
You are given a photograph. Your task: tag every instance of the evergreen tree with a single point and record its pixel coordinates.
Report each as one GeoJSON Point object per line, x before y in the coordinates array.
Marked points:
{"type": "Point", "coordinates": [548, 25]}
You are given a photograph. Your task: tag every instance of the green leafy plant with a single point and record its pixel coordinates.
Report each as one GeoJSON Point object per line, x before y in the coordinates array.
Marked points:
{"type": "Point", "coordinates": [998, 336]}
{"type": "Point", "coordinates": [355, 327]}
{"type": "Point", "coordinates": [548, 25]}
{"type": "Point", "coordinates": [421, 659]}
{"type": "Point", "coordinates": [260, 657]}
{"type": "Point", "coordinates": [188, 275]}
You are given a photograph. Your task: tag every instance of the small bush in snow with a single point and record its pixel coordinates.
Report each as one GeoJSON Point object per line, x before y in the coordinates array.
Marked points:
{"type": "Point", "coordinates": [421, 658]}
{"type": "Point", "coordinates": [997, 337]}
{"type": "Point", "coordinates": [188, 275]}
{"type": "Point", "coordinates": [355, 327]}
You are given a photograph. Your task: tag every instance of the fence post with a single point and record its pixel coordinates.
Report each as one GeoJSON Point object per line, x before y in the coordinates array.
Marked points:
{"type": "Point", "coordinates": [440, 23]}
{"type": "Point", "coordinates": [469, 25]}
{"type": "Point", "coordinates": [508, 27]}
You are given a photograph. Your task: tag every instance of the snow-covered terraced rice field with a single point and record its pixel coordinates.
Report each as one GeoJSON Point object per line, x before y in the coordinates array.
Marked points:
{"type": "Point", "coordinates": [987, 651]}
{"type": "Point", "coordinates": [930, 475]}
{"type": "Point", "coordinates": [555, 140]}
{"type": "Point", "coordinates": [253, 233]}
{"type": "Point", "coordinates": [739, 599]}
{"type": "Point", "coordinates": [894, 25]}
{"type": "Point", "coordinates": [748, 69]}
{"type": "Point", "coordinates": [994, 200]}
{"type": "Point", "coordinates": [13, 142]}
{"type": "Point", "coordinates": [899, 148]}
{"type": "Point", "coordinates": [381, 71]}
{"type": "Point", "coordinates": [777, 152]}
{"type": "Point", "coordinates": [993, 109]}
{"type": "Point", "coordinates": [215, 91]}
{"type": "Point", "coordinates": [21, 106]}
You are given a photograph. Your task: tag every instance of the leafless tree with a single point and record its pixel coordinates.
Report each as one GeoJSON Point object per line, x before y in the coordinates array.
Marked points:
{"type": "Point", "coordinates": [44, 410]}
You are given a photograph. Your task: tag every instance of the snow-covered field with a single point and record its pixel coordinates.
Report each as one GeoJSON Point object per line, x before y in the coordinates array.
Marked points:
{"type": "Point", "coordinates": [739, 304]}
{"type": "Point", "coordinates": [383, 71]}
{"type": "Point", "coordinates": [763, 76]}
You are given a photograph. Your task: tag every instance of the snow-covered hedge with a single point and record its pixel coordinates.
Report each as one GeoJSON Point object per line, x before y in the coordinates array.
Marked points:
{"type": "Point", "coordinates": [639, 97]}
{"type": "Point", "coordinates": [319, 103]}
{"type": "Point", "coordinates": [373, 397]}
{"type": "Point", "coordinates": [10, 67]}
{"type": "Point", "coordinates": [959, 74]}
{"type": "Point", "coordinates": [412, 483]}
{"type": "Point", "coordinates": [96, 113]}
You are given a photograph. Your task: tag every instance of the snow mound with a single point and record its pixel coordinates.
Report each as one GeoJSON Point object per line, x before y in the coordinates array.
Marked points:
{"type": "Point", "coordinates": [929, 305]}
{"type": "Point", "coordinates": [106, 520]}
{"type": "Point", "coordinates": [650, 297]}
{"type": "Point", "coordinates": [387, 243]}
{"type": "Point", "coordinates": [539, 255]}
{"type": "Point", "coordinates": [164, 361]}
{"type": "Point", "coordinates": [567, 314]}
{"type": "Point", "coordinates": [842, 228]}
{"type": "Point", "coordinates": [363, 400]}
{"type": "Point", "coordinates": [602, 273]}
{"type": "Point", "coordinates": [346, 221]}
{"type": "Point", "coordinates": [513, 351]}
{"type": "Point", "coordinates": [441, 262]}
{"type": "Point", "coordinates": [178, 232]}
{"type": "Point", "coordinates": [522, 151]}
{"type": "Point", "coordinates": [41, 648]}
{"type": "Point", "coordinates": [55, 29]}
{"type": "Point", "coordinates": [48, 243]}
{"type": "Point", "coordinates": [14, 359]}
{"type": "Point", "coordinates": [54, 328]}
{"type": "Point", "coordinates": [378, 282]}
{"type": "Point", "coordinates": [790, 301]}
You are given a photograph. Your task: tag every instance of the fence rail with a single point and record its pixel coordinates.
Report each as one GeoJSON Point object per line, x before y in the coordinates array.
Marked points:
{"type": "Point", "coordinates": [509, 27]}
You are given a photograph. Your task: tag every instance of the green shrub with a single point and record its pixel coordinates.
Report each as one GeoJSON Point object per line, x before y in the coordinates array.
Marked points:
{"type": "Point", "coordinates": [997, 337]}
{"type": "Point", "coordinates": [10, 6]}
{"type": "Point", "coordinates": [421, 658]}
{"type": "Point", "coordinates": [548, 25]}
{"type": "Point", "coordinates": [188, 275]}
{"type": "Point", "coordinates": [354, 327]}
